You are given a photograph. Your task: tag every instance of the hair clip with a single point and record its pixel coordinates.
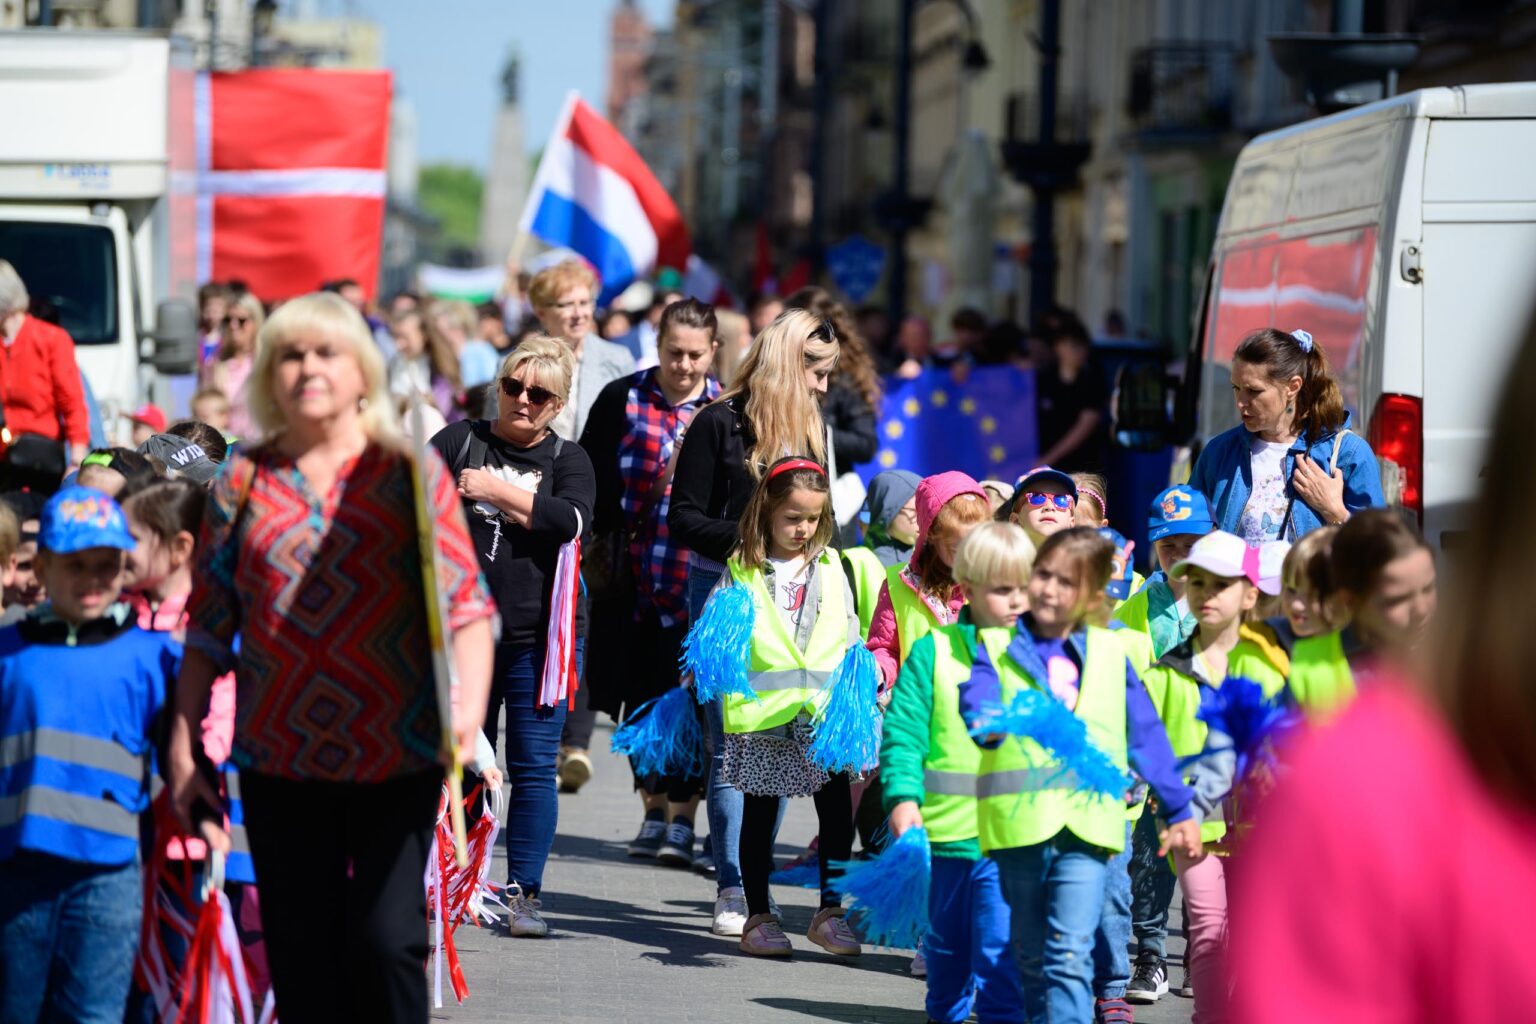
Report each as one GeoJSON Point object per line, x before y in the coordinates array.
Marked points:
{"type": "Point", "coordinates": [1304, 339]}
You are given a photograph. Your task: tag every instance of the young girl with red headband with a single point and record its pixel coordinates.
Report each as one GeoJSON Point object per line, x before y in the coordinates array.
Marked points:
{"type": "Point", "coordinates": [804, 620]}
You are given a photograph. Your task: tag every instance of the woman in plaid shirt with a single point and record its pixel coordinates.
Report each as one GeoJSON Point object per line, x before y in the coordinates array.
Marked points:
{"type": "Point", "coordinates": [633, 434]}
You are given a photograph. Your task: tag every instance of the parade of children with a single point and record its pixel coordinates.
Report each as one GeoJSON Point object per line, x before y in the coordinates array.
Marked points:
{"type": "Point", "coordinates": [1033, 769]}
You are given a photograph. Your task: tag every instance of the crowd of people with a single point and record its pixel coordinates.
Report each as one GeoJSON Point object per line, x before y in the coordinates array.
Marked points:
{"type": "Point", "coordinates": [234, 605]}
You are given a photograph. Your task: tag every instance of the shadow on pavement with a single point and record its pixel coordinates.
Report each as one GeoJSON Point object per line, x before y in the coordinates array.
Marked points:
{"type": "Point", "coordinates": [845, 1013]}
{"type": "Point", "coordinates": [684, 943]}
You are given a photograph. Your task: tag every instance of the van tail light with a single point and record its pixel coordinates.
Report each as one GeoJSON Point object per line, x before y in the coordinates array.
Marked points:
{"type": "Point", "coordinates": [1397, 435]}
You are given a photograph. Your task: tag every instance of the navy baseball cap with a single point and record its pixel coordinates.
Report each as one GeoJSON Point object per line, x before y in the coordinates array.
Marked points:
{"type": "Point", "coordinates": [1179, 510]}
{"type": "Point", "coordinates": [1045, 474]}
{"type": "Point", "coordinates": [78, 518]}
{"type": "Point", "coordinates": [1120, 580]}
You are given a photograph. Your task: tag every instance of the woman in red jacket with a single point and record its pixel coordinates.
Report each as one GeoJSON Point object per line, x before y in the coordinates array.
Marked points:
{"type": "Point", "coordinates": [40, 394]}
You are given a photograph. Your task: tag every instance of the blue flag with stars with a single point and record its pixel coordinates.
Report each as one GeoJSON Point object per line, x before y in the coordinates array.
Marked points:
{"type": "Point", "coordinates": [984, 427]}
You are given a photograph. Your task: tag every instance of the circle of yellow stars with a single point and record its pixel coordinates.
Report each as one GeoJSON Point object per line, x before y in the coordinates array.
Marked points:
{"type": "Point", "coordinates": [912, 407]}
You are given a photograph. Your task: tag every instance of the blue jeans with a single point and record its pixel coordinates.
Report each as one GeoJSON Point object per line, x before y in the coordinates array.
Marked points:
{"type": "Point", "coordinates": [1152, 884]}
{"type": "Point", "coordinates": [68, 936]}
{"type": "Point", "coordinates": [1055, 893]}
{"type": "Point", "coordinates": [1111, 961]}
{"type": "Point", "coordinates": [533, 749]}
{"type": "Point", "coordinates": [969, 960]}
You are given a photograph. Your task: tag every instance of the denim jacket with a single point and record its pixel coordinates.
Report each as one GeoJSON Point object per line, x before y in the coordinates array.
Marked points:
{"type": "Point", "coordinates": [1224, 474]}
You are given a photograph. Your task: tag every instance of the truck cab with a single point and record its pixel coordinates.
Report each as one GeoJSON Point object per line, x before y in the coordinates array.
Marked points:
{"type": "Point", "coordinates": [98, 201]}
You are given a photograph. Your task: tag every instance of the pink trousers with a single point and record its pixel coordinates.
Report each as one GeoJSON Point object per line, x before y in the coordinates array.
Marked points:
{"type": "Point", "coordinates": [1204, 883]}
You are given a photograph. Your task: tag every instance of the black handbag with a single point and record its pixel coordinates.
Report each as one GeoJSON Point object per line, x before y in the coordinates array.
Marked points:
{"type": "Point", "coordinates": [31, 460]}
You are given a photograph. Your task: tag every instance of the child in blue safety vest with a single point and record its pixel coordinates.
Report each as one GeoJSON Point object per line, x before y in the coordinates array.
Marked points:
{"type": "Point", "coordinates": [804, 622]}
{"type": "Point", "coordinates": [81, 689]}
{"type": "Point", "coordinates": [1052, 842]}
{"type": "Point", "coordinates": [929, 763]}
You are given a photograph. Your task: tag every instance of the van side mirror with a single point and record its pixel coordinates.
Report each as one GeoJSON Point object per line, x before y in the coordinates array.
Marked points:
{"type": "Point", "coordinates": [175, 337]}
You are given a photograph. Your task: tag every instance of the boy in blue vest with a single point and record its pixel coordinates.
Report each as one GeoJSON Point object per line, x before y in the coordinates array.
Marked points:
{"type": "Point", "coordinates": [81, 687]}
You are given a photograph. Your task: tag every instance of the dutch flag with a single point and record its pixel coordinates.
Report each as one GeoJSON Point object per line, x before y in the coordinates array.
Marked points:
{"type": "Point", "coordinates": [594, 194]}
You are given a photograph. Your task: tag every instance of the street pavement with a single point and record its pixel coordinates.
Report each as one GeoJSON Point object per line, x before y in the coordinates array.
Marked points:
{"type": "Point", "coordinates": [630, 941]}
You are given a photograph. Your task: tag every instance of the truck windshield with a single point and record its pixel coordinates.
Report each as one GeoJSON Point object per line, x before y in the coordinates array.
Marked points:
{"type": "Point", "coordinates": [71, 268]}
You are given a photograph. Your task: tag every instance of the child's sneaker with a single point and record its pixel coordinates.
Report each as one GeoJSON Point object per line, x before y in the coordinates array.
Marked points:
{"type": "Point", "coordinates": [525, 921]}
{"type": "Point", "coordinates": [763, 936]}
{"type": "Point", "coordinates": [730, 911]}
{"type": "Point", "coordinates": [647, 843]}
{"type": "Point", "coordinates": [831, 932]}
{"type": "Point", "coordinates": [1113, 1011]}
{"type": "Point", "coordinates": [677, 850]}
{"type": "Point", "coordinates": [919, 966]}
{"type": "Point", "coordinates": [574, 771]}
{"type": "Point", "coordinates": [1149, 980]}
{"type": "Point", "coordinates": [1186, 986]}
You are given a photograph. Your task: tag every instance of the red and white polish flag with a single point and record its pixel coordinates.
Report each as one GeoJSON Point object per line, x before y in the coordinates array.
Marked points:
{"type": "Point", "coordinates": [291, 177]}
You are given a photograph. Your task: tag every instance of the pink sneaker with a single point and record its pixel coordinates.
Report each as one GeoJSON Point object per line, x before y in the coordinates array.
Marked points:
{"type": "Point", "coordinates": [763, 936]}
{"type": "Point", "coordinates": [831, 932]}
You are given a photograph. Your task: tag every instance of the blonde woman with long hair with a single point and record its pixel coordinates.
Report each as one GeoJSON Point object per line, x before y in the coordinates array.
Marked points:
{"type": "Point", "coordinates": [771, 410]}
{"type": "Point", "coordinates": [309, 555]}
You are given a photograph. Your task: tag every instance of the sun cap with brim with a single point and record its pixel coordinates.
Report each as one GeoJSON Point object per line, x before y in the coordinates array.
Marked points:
{"type": "Point", "coordinates": [181, 457]}
{"type": "Point", "coordinates": [1272, 565]}
{"type": "Point", "coordinates": [1221, 554]}
{"type": "Point", "coordinates": [1119, 586]}
{"type": "Point", "coordinates": [1179, 510]}
{"type": "Point", "coordinates": [79, 518]}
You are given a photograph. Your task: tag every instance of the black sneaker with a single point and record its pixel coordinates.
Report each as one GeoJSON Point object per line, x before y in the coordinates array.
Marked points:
{"type": "Point", "coordinates": [1149, 979]}
{"type": "Point", "coordinates": [648, 842]}
{"type": "Point", "coordinates": [677, 850]}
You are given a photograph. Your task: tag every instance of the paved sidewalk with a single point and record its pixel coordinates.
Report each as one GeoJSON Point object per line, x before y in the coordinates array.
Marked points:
{"type": "Point", "coordinates": [630, 941]}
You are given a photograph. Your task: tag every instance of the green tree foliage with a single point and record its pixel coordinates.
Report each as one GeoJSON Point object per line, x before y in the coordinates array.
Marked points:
{"type": "Point", "coordinates": [451, 193]}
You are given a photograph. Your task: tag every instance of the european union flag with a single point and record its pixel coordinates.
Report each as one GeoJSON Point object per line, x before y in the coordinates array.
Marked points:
{"type": "Point", "coordinates": [984, 427]}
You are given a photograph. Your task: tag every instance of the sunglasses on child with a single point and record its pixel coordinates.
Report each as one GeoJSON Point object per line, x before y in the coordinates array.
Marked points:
{"type": "Point", "coordinates": [1061, 501]}
{"type": "Point", "coordinates": [512, 387]}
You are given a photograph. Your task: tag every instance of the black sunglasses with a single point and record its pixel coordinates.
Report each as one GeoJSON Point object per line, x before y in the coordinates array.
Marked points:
{"type": "Point", "coordinates": [512, 387]}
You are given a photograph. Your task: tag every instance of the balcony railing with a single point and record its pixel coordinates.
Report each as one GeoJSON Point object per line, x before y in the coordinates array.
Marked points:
{"type": "Point", "coordinates": [1183, 88]}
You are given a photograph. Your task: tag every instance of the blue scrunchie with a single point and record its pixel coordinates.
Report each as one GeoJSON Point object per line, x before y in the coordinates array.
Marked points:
{"type": "Point", "coordinates": [1304, 339]}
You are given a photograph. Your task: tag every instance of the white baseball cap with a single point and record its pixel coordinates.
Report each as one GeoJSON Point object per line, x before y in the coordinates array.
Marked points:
{"type": "Point", "coordinates": [1272, 565]}
{"type": "Point", "coordinates": [1221, 554]}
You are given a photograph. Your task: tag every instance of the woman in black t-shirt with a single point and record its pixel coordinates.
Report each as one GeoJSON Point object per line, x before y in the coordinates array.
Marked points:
{"type": "Point", "coordinates": [526, 492]}
{"type": "Point", "coordinates": [1072, 404]}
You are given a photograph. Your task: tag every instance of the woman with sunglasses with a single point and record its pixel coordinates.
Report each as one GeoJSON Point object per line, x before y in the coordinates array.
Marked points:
{"type": "Point", "coordinates": [526, 491]}
{"type": "Point", "coordinates": [231, 364]}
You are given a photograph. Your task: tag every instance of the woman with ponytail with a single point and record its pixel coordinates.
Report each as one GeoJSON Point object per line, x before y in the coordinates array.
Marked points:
{"type": "Point", "coordinates": [1294, 463]}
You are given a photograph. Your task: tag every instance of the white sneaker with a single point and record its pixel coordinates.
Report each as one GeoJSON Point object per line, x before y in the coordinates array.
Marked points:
{"type": "Point", "coordinates": [730, 911]}
{"type": "Point", "coordinates": [919, 966]}
{"type": "Point", "coordinates": [525, 921]}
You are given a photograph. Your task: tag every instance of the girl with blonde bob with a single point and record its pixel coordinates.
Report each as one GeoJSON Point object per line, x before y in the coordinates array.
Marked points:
{"type": "Point", "coordinates": [309, 554]}
{"type": "Point", "coordinates": [772, 410]}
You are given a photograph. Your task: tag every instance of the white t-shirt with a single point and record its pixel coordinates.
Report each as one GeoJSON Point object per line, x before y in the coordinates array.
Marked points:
{"type": "Point", "coordinates": [791, 578]}
{"type": "Point", "coordinates": [1264, 514]}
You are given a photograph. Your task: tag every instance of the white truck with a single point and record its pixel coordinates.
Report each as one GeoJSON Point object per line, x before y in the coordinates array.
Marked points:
{"type": "Point", "coordinates": [1402, 234]}
{"type": "Point", "coordinates": [98, 200]}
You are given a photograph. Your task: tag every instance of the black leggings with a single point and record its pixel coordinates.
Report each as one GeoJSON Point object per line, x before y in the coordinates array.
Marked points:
{"type": "Point", "coordinates": [834, 815]}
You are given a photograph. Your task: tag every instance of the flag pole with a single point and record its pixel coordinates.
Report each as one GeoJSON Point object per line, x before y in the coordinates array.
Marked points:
{"type": "Point", "coordinates": [531, 204]}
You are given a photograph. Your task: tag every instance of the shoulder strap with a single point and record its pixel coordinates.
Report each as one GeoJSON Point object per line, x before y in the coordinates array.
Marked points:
{"type": "Point", "coordinates": [472, 453]}
{"type": "Point", "coordinates": [559, 444]}
{"type": "Point", "coordinates": [1338, 439]}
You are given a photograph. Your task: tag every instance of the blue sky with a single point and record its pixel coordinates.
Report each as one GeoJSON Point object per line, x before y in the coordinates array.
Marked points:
{"type": "Point", "coordinates": [447, 57]}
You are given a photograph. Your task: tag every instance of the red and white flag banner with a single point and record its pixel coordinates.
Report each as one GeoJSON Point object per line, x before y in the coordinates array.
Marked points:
{"type": "Point", "coordinates": [291, 177]}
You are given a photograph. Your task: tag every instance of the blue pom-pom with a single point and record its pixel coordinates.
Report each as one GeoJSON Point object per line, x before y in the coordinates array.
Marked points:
{"type": "Point", "coordinates": [805, 875]}
{"type": "Point", "coordinates": [845, 734]}
{"type": "Point", "coordinates": [719, 646]}
{"type": "Point", "coordinates": [663, 737]}
{"type": "Point", "coordinates": [1044, 719]}
{"type": "Point", "coordinates": [1252, 721]}
{"type": "Point", "coordinates": [890, 892]}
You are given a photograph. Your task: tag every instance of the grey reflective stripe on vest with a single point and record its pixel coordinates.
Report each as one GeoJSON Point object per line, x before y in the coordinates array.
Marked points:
{"type": "Point", "coordinates": [1025, 780]}
{"type": "Point", "coordinates": [232, 784]}
{"type": "Point", "coordinates": [71, 809]}
{"type": "Point", "coordinates": [789, 679]}
{"type": "Point", "coordinates": [937, 783]}
{"type": "Point", "coordinates": [71, 748]}
{"type": "Point", "coordinates": [238, 841]}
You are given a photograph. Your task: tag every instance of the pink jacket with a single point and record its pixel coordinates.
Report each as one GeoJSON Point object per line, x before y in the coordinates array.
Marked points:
{"type": "Point", "coordinates": [1384, 881]}
{"type": "Point", "coordinates": [884, 638]}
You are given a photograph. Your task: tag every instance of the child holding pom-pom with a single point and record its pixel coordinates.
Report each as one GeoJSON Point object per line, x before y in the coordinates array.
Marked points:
{"type": "Point", "coordinates": [929, 764]}
{"type": "Point", "coordinates": [1051, 833]}
{"type": "Point", "coordinates": [804, 629]}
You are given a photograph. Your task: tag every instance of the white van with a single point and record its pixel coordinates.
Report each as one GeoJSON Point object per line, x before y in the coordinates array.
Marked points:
{"type": "Point", "coordinates": [1403, 236]}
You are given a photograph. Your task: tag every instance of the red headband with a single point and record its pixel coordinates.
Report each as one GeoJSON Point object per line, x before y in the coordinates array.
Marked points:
{"type": "Point", "coordinates": [790, 464]}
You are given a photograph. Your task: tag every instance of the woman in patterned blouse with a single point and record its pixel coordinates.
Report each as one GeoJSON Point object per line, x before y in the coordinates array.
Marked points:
{"type": "Point", "coordinates": [309, 554]}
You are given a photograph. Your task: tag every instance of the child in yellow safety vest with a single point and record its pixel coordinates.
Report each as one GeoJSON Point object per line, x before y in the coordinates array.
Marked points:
{"type": "Point", "coordinates": [889, 536]}
{"type": "Point", "coordinates": [803, 624]}
{"type": "Point", "coordinates": [1052, 841]}
{"type": "Point", "coordinates": [1221, 577]}
{"type": "Point", "coordinates": [1093, 510]}
{"type": "Point", "coordinates": [928, 767]}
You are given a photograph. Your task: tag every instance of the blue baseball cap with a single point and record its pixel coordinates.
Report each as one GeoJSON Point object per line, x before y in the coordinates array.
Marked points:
{"type": "Point", "coordinates": [1179, 510]}
{"type": "Point", "coordinates": [78, 518]}
{"type": "Point", "coordinates": [1120, 580]}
